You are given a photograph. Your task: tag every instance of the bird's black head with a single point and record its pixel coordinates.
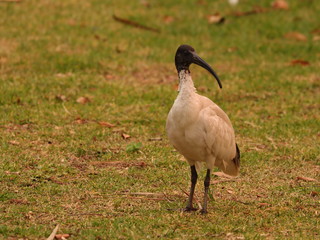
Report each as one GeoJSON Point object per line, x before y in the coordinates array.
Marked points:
{"type": "Point", "coordinates": [186, 55]}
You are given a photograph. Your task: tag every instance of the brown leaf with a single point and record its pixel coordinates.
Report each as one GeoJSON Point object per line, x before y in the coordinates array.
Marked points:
{"type": "Point", "coordinates": [155, 139]}
{"type": "Point", "coordinates": [300, 62]}
{"type": "Point", "coordinates": [315, 31]}
{"type": "Point", "coordinates": [83, 100]}
{"type": "Point", "coordinates": [13, 142]}
{"type": "Point", "coordinates": [62, 236]}
{"type": "Point", "coordinates": [80, 121]}
{"type": "Point", "coordinates": [215, 18]}
{"type": "Point", "coordinates": [125, 136]}
{"type": "Point", "coordinates": [314, 194]}
{"type": "Point", "coordinates": [168, 19]}
{"type": "Point", "coordinates": [61, 98]}
{"type": "Point", "coordinates": [9, 173]}
{"type": "Point", "coordinates": [295, 36]}
{"type": "Point", "coordinates": [232, 49]}
{"type": "Point", "coordinates": [307, 179]}
{"type": "Point", "coordinates": [145, 3]}
{"type": "Point", "coordinates": [201, 2]}
{"type": "Point", "coordinates": [106, 124]}
{"type": "Point", "coordinates": [19, 201]}
{"type": "Point", "coordinates": [230, 192]}
{"type": "Point", "coordinates": [54, 180]}
{"type": "Point", "coordinates": [316, 38]}
{"type": "Point", "coordinates": [108, 76]}
{"type": "Point", "coordinates": [263, 204]}
{"type": "Point", "coordinates": [280, 4]}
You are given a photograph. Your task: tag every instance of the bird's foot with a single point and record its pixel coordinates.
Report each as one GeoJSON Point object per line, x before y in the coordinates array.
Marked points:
{"type": "Point", "coordinates": [203, 211]}
{"type": "Point", "coordinates": [190, 209]}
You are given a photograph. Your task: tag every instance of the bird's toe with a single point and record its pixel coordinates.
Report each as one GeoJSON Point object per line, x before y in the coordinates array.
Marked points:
{"type": "Point", "coordinates": [203, 211]}
{"type": "Point", "coordinates": [190, 209]}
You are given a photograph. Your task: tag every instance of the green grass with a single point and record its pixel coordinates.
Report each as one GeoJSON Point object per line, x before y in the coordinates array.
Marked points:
{"type": "Point", "coordinates": [61, 165]}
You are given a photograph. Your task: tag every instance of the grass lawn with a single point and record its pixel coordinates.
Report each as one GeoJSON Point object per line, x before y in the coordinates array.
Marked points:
{"type": "Point", "coordinates": [83, 105]}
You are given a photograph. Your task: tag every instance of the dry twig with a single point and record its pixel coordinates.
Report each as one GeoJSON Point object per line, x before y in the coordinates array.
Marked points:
{"type": "Point", "coordinates": [54, 232]}
{"type": "Point", "coordinates": [135, 24]}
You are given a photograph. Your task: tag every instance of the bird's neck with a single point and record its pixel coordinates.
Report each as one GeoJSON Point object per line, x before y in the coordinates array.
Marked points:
{"type": "Point", "coordinates": [186, 85]}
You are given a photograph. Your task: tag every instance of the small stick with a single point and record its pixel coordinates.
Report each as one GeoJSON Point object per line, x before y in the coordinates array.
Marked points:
{"type": "Point", "coordinates": [10, 1]}
{"type": "Point", "coordinates": [135, 24]}
{"type": "Point", "coordinates": [54, 232]}
{"type": "Point", "coordinates": [66, 110]}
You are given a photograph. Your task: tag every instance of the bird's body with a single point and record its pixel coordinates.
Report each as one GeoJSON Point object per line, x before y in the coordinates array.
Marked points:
{"type": "Point", "coordinates": [198, 128]}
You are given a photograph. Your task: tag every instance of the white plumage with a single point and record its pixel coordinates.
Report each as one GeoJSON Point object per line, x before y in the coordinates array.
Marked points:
{"type": "Point", "coordinates": [198, 128]}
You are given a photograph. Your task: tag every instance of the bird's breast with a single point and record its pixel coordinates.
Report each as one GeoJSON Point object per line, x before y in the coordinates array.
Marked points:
{"type": "Point", "coordinates": [182, 129]}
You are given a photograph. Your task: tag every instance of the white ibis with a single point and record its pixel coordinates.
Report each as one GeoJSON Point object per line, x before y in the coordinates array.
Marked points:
{"type": "Point", "coordinates": [199, 129]}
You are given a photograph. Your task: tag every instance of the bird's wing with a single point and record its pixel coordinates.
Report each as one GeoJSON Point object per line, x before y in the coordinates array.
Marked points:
{"type": "Point", "coordinates": [219, 138]}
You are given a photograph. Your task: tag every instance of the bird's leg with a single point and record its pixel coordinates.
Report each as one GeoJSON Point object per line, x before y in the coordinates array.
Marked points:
{"type": "Point", "coordinates": [206, 190]}
{"type": "Point", "coordinates": [194, 177]}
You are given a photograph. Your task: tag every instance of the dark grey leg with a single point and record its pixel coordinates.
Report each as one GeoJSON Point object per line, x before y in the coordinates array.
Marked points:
{"type": "Point", "coordinates": [206, 190]}
{"type": "Point", "coordinates": [194, 177]}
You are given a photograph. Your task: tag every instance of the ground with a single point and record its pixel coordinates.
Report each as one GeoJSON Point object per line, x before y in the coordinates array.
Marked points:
{"type": "Point", "coordinates": [84, 99]}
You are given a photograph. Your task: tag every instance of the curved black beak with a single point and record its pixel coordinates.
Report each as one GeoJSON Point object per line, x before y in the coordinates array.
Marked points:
{"type": "Point", "coordinates": [199, 61]}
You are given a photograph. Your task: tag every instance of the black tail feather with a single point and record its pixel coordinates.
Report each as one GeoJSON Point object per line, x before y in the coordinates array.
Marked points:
{"type": "Point", "coordinates": [236, 159]}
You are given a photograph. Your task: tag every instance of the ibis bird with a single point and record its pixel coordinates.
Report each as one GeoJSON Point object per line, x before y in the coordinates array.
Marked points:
{"type": "Point", "coordinates": [199, 129]}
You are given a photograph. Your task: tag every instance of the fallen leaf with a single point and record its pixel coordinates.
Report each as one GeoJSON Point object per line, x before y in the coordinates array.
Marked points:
{"type": "Point", "coordinates": [99, 38]}
{"type": "Point", "coordinates": [232, 49]}
{"type": "Point", "coordinates": [155, 139]}
{"type": "Point", "coordinates": [106, 124]}
{"type": "Point", "coordinates": [307, 179]}
{"type": "Point", "coordinates": [215, 18]}
{"type": "Point", "coordinates": [80, 121]}
{"type": "Point", "coordinates": [13, 142]}
{"type": "Point", "coordinates": [316, 38]}
{"type": "Point", "coordinates": [63, 75]}
{"type": "Point", "coordinates": [54, 180]}
{"type": "Point", "coordinates": [145, 3]}
{"type": "Point", "coordinates": [29, 215]}
{"type": "Point", "coordinates": [9, 173]}
{"type": "Point", "coordinates": [314, 194]}
{"type": "Point", "coordinates": [315, 31]}
{"type": "Point", "coordinates": [300, 62]}
{"type": "Point", "coordinates": [168, 19]}
{"type": "Point", "coordinates": [201, 2]}
{"type": "Point", "coordinates": [108, 76]}
{"type": "Point", "coordinates": [120, 48]}
{"type": "Point", "coordinates": [280, 4]}
{"type": "Point", "coordinates": [263, 204]}
{"type": "Point", "coordinates": [61, 98]}
{"type": "Point", "coordinates": [295, 36]}
{"type": "Point", "coordinates": [62, 236]}
{"type": "Point", "coordinates": [83, 100]}
{"type": "Point", "coordinates": [125, 136]}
